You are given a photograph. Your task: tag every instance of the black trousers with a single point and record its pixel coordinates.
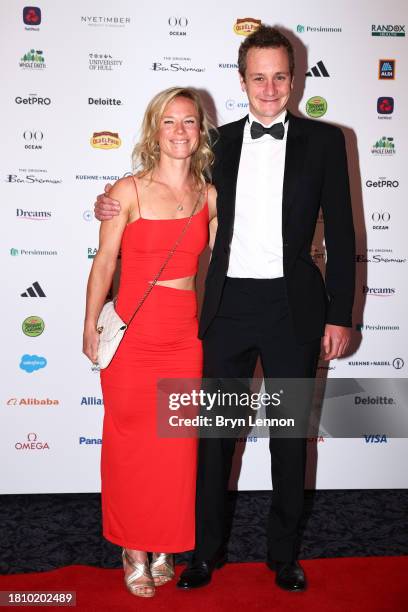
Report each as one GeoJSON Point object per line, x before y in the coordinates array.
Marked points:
{"type": "Point", "coordinates": [253, 321]}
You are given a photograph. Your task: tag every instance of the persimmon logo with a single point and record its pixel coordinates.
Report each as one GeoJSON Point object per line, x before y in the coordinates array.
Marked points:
{"type": "Point", "coordinates": [32, 443]}
{"type": "Point", "coordinates": [246, 26]}
{"type": "Point", "coordinates": [106, 140]}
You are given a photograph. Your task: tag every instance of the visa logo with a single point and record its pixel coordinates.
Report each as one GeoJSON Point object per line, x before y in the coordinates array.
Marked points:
{"type": "Point", "coordinates": [375, 438]}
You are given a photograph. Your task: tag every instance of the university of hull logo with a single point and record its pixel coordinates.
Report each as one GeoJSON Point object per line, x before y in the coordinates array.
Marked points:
{"type": "Point", "coordinates": [105, 140]}
{"type": "Point", "coordinates": [32, 443]}
{"type": "Point", "coordinates": [31, 363]}
{"type": "Point", "coordinates": [319, 70]}
{"type": "Point", "coordinates": [246, 26]}
{"type": "Point", "coordinates": [316, 107]}
{"type": "Point", "coordinates": [386, 69]}
{"type": "Point", "coordinates": [34, 291]}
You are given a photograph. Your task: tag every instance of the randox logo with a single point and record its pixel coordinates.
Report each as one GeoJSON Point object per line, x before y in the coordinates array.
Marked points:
{"type": "Point", "coordinates": [105, 140]}
{"type": "Point", "coordinates": [92, 251]}
{"type": "Point", "coordinates": [31, 363]}
{"type": "Point", "coordinates": [246, 26]}
{"type": "Point", "coordinates": [316, 107]}
{"type": "Point", "coordinates": [33, 326]}
{"type": "Point", "coordinates": [388, 30]}
{"type": "Point", "coordinates": [386, 69]}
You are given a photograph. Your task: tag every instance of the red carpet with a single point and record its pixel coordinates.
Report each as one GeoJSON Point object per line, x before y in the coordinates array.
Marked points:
{"type": "Point", "coordinates": [343, 585]}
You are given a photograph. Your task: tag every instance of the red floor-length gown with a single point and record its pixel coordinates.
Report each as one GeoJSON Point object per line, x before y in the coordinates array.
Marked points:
{"type": "Point", "coordinates": [148, 483]}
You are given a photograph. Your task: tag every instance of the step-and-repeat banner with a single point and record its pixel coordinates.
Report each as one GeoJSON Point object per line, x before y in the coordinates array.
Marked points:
{"type": "Point", "coordinates": [76, 79]}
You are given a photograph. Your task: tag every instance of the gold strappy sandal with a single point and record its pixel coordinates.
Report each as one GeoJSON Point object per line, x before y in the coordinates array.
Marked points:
{"type": "Point", "coordinates": [140, 570]}
{"type": "Point", "coordinates": [162, 568]}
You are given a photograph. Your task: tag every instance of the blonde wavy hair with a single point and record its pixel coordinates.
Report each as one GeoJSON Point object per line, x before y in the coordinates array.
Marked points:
{"type": "Point", "coordinates": [146, 154]}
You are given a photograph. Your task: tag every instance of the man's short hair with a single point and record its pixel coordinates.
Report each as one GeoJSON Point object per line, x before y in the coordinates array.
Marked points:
{"type": "Point", "coordinates": [263, 38]}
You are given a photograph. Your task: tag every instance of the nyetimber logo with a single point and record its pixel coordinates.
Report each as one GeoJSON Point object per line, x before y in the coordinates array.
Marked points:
{"type": "Point", "coordinates": [319, 70]}
{"type": "Point", "coordinates": [32, 443]}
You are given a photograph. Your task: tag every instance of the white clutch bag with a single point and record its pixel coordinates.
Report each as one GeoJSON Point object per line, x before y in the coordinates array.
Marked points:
{"type": "Point", "coordinates": [111, 330]}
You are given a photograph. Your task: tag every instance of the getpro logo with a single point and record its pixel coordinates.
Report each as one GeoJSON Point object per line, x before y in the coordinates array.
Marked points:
{"type": "Point", "coordinates": [31, 363]}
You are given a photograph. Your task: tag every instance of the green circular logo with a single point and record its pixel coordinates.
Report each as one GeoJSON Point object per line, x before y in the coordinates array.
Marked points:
{"type": "Point", "coordinates": [33, 326]}
{"type": "Point", "coordinates": [316, 107]}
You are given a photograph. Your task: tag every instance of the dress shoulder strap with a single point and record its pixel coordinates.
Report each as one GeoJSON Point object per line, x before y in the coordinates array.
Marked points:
{"type": "Point", "coordinates": [137, 195]}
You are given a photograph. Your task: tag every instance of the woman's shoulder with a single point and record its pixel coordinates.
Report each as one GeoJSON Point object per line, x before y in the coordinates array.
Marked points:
{"type": "Point", "coordinates": [212, 200]}
{"type": "Point", "coordinates": [124, 188]}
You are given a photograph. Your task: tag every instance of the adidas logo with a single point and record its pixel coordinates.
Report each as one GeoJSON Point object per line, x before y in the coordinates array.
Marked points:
{"type": "Point", "coordinates": [318, 71]}
{"type": "Point", "coordinates": [34, 291]}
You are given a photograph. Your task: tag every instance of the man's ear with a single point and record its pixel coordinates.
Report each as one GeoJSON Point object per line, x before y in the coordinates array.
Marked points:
{"type": "Point", "coordinates": [292, 83]}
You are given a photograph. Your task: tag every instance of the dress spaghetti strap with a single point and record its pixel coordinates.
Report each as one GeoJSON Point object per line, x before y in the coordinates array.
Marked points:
{"type": "Point", "coordinates": [137, 195]}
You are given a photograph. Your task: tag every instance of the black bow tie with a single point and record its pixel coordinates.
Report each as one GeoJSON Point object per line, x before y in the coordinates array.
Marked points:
{"type": "Point", "coordinates": [277, 130]}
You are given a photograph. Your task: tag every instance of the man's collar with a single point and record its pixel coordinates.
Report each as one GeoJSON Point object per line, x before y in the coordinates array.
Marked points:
{"type": "Point", "coordinates": [281, 118]}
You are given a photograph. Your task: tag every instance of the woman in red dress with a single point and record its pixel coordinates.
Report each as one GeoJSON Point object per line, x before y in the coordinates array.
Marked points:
{"type": "Point", "coordinates": [148, 483]}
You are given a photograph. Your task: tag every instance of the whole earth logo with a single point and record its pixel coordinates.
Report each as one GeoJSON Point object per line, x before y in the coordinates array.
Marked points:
{"type": "Point", "coordinates": [33, 326]}
{"type": "Point", "coordinates": [316, 107]}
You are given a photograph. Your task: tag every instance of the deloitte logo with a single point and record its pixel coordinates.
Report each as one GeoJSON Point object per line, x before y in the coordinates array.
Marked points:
{"type": "Point", "coordinates": [316, 107]}
{"type": "Point", "coordinates": [33, 326]}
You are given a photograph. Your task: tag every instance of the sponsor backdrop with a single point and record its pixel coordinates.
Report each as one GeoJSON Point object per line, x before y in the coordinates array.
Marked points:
{"type": "Point", "coordinates": [75, 85]}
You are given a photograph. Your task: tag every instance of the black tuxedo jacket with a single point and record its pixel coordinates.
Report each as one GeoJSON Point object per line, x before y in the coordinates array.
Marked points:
{"type": "Point", "coordinates": [315, 176]}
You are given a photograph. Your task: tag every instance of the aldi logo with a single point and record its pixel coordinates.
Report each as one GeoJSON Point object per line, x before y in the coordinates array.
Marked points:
{"type": "Point", "coordinates": [386, 69]}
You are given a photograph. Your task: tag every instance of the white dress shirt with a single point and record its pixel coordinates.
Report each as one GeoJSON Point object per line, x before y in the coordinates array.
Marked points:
{"type": "Point", "coordinates": [256, 247]}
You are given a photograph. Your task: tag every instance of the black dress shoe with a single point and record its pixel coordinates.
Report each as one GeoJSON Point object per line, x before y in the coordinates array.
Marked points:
{"type": "Point", "coordinates": [198, 573]}
{"type": "Point", "coordinates": [289, 575]}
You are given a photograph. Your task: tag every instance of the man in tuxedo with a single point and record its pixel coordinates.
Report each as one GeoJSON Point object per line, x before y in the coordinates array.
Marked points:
{"type": "Point", "coordinates": [264, 295]}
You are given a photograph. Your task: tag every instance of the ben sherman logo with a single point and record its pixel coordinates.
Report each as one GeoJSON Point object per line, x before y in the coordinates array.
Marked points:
{"type": "Point", "coordinates": [32, 443]}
